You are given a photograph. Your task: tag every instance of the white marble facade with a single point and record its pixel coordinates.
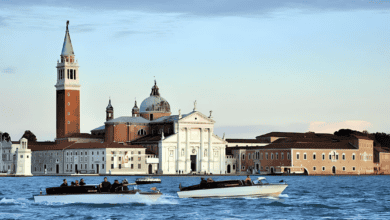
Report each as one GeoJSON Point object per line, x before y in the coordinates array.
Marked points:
{"type": "Point", "coordinates": [193, 147]}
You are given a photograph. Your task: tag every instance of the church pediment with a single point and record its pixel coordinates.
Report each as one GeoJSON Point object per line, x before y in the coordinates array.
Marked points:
{"type": "Point", "coordinates": [196, 117]}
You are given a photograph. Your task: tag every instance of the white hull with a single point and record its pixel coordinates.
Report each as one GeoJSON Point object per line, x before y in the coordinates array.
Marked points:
{"type": "Point", "coordinates": [240, 191]}
{"type": "Point", "coordinates": [99, 198]}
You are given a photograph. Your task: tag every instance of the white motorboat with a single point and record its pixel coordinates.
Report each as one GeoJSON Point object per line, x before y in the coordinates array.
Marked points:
{"type": "Point", "coordinates": [92, 194]}
{"type": "Point", "coordinates": [147, 180]}
{"type": "Point", "coordinates": [232, 189]}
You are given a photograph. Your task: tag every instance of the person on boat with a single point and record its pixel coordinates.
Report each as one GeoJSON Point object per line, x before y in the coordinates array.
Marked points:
{"type": "Point", "coordinates": [105, 185]}
{"type": "Point", "coordinates": [209, 180]}
{"type": "Point", "coordinates": [72, 184]}
{"type": "Point", "coordinates": [116, 186]}
{"type": "Point", "coordinates": [202, 180]}
{"type": "Point", "coordinates": [76, 183]}
{"type": "Point", "coordinates": [248, 180]}
{"type": "Point", "coordinates": [65, 183]}
{"type": "Point", "coordinates": [82, 183]}
{"type": "Point", "coordinates": [124, 185]}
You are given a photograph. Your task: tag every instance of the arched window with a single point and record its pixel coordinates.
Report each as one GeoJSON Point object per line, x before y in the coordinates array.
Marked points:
{"type": "Point", "coordinates": [74, 74]}
{"type": "Point", "coordinates": [182, 152]}
{"type": "Point", "coordinates": [272, 156]}
{"type": "Point", "coordinates": [277, 156]}
{"type": "Point", "coordinates": [205, 153]}
{"type": "Point", "coordinates": [71, 74]}
{"type": "Point", "coordinates": [266, 156]}
{"type": "Point", "coordinates": [282, 156]}
{"type": "Point", "coordinates": [141, 132]}
{"type": "Point", "coordinates": [243, 156]}
{"type": "Point", "coordinates": [288, 156]}
{"type": "Point", "coordinates": [297, 156]}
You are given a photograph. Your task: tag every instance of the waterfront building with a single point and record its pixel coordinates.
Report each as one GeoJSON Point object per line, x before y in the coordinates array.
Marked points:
{"type": "Point", "coordinates": [15, 156]}
{"type": "Point", "coordinates": [184, 143]}
{"type": "Point", "coordinates": [314, 154]}
{"type": "Point", "coordinates": [88, 158]}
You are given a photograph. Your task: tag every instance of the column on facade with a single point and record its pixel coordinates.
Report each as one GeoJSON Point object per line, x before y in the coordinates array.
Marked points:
{"type": "Point", "coordinates": [210, 152]}
{"type": "Point", "coordinates": [188, 159]}
{"type": "Point", "coordinates": [201, 154]}
{"type": "Point", "coordinates": [177, 167]}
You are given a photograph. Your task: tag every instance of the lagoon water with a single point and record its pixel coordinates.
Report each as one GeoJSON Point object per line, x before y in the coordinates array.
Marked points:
{"type": "Point", "coordinates": [307, 197]}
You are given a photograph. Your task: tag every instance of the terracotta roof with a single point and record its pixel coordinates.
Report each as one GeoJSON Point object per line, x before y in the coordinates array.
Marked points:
{"type": "Point", "coordinates": [362, 137]}
{"type": "Point", "coordinates": [381, 150]}
{"type": "Point", "coordinates": [149, 138]}
{"type": "Point", "coordinates": [149, 151]}
{"type": "Point", "coordinates": [72, 145]}
{"type": "Point", "coordinates": [344, 144]}
{"type": "Point", "coordinates": [232, 140]}
{"type": "Point", "coordinates": [83, 135]}
{"type": "Point", "coordinates": [296, 135]}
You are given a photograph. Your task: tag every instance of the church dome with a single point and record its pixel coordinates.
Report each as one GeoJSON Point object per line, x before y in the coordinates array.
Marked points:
{"type": "Point", "coordinates": [155, 103]}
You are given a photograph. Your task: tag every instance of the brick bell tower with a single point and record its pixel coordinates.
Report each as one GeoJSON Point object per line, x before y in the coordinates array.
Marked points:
{"type": "Point", "coordinates": [68, 90]}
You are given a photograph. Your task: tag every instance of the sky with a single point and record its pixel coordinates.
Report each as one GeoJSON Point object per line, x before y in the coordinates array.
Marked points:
{"type": "Point", "coordinates": [260, 66]}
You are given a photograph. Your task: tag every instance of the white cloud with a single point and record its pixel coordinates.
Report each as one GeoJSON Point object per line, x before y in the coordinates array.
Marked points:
{"type": "Point", "coordinates": [331, 127]}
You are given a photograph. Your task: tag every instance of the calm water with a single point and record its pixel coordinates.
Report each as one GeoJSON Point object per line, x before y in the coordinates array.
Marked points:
{"type": "Point", "coordinates": [306, 198]}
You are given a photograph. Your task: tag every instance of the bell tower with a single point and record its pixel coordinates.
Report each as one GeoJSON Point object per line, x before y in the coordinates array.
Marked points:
{"type": "Point", "coordinates": [68, 90]}
{"type": "Point", "coordinates": [109, 111]}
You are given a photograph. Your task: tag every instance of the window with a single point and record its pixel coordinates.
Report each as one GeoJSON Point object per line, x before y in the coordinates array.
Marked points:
{"type": "Point", "coordinates": [67, 166]}
{"type": "Point", "coordinates": [103, 152]}
{"type": "Point", "coordinates": [243, 167]}
{"type": "Point", "coordinates": [323, 168]}
{"type": "Point", "coordinates": [234, 167]}
{"type": "Point", "coordinates": [288, 156]}
{"type": "Point", "coordinates": [81, 153]}
{"type": "Point", "coordinates": [314, 168]}
{"type": "Point", "coordinates": [21, 156]}
{"type": "Point", "coordinates": [81, 166]}
{"type": "Point", "coordinates": [27, 156]}
{"type": "Point", "coordinates": [266, 156]}
{"type": "Point", "coordinates": [81, 159]}
{"type": "Point", "coordinates": [272, 156]}
{"type": "Point", "coordinates": [76, 153]}
{"type": "Point", "coordinates": [297, 156]}
{"type": "Point", "coordinates": [243, 156]}
{"type": "Point", "coordinates": [92, 159]}
{"type": "Point", "coordinates": [353, 156]}
{"type": "Point", "coordinates": [139, 166]}
{"type": "Point", "coordinates": [171, 153]}
{"type": "Point", "coordinates": [323, 156]}
{"type": "Point", "coordinates": [330, 156]}
{"type": "Point", "coordinates": [141, 132]}
{"type": "Point", "coordinates": [343, 168]}
{"type": "Point", "coordinates": [139, 152]}
{"type": "Point", "coordinates": [112, 166]}
{"type": "Point", "coordinates": [120, 166]}
{"type": "Point", "coordinates": [86, 153]}
{"type": "Point", "coordinates": [102, 166]}
{"type": "Point", "coordinates": [261, 156]}
{"type": "Point", "coordinates": [102, 158]}
{"type": "Point", "coordinates": [68, 122]}
{"type": "Point", "coordinates": [97, 152]}
{"type": "Point", "coordinates": [277, 156]}
{"type": "Point", "coordinates": [92, 166]}
{"type": "Point", "coordinates": [353, 168]}
{"type": "Point", "coordinates": [304, 156]}
{"type": "Point", "coordinates": [337, 157]}
{"type": "Point", "coordinates": [282, 156]}
{"type": "Point", "coordinates": [120, 159]}
{"type": "Point", "coordinates": [139, 158]}
{"type": "Point", "coordinates": [68, 103]}
{"type": "Point", "coordinates": [132, 166]}
{"type": "Point", "coordinates": [314, 156]}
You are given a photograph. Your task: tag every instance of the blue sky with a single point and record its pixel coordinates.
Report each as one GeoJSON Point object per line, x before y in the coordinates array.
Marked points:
{"type": "Point", "coordinates": [261, 66]}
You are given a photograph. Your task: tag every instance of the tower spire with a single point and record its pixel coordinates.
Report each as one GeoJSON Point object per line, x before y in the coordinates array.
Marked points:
{"type": "Point", "coordinates": [67, 48]}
